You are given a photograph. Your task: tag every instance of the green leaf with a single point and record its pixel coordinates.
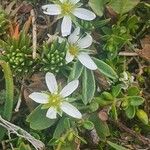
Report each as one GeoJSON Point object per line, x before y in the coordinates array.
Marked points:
{"type": "Point", "coordinates": [88, 125]}
{"type": "Point", "coordinates": [116, 90]}
{"type": "Point", "coordinates": [38, 119]}
{"type": "Point", "coordinates": [133, 91]}
{"type": "Point", "coordinates": [141, 114]}
{"type": "Point", "coordinates": [116, 146]}
{"type": "Point", "coordinates": [130, 112]}
{"type": "Point", "coordinates": [88, 86]}
{"type": "Point", "coordinates": [102, 102]}
{"type": "Point", "coordinates": [107, 96]}
{"type": "Point", "coordinates": [97, 6]}
{"type": "Point", "coordinates": [135, 100]}
{"type": "Point", "coordinates": [93, 106]}
{"type": "Point", "coordinates": [101, 127]}
{"type": "Point", "coordinates": [114, 112]}
{"type": "Point", "coordinates": [132, 23]}
{"type": "Point", "coordinates": [105, 69]}
{"type": "Point", "coordinates": [101, 23]}
{"type": "Point", "coordinates": [23, 146]}
{"type": "Point", "coordinates": [76, 71]}
{"type": "Point", "coordinates": [62, 126]}
{"type": "Point", "coordinates": [123, 6]}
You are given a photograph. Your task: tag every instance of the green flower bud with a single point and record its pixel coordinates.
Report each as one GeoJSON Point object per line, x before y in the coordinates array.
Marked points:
{"type": "Point", "coordinates": [16, 54]}
{"type": "Point", "coordinates": [141, 114]}
{"type": "Point", "coordinates": [70, 137]}
{"type": "Point", "coordinates": [53, 56]}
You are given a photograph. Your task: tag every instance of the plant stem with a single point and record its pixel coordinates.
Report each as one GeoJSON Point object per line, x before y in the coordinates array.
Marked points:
{"type": "Point", "coordinates": [7, 113]}
{"type": "Point", "coordinates": [62, 140]}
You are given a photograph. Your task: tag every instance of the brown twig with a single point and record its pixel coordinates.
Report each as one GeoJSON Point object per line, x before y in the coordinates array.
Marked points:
{"type": "Point", "coordinates": [143, 139]}
{"type": "Point", "coordinates": [12, 128]}
{"type": "Point", "coordinates": [34, 32]}
{"type": "Point", "coordinates": [130, 54]}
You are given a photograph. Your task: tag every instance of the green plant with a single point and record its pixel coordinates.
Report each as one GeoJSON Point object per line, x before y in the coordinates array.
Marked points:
{"type": "Point", "coordinates": [17, 52]}
{"type": "Point", "coordinates": [3, 23]}
{"type": "Point", "coordinates": [127, 100]}
{"type": "Point", "coordinates": [8, 104]}
{"type": "Point", "coordinates": [120, 34]}
{"type": "Point", "coordinates": [53, 56]}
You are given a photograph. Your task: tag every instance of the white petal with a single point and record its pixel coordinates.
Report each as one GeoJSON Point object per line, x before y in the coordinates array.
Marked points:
{"type": "Point", "coordinates": [61, 1]}
{"type": "Point", "coordinates": [51, 9]}
{"type": "Point", "coordinates": [66, 26]}
{"type": "Point", "coordinates": [51, 82]}
{"type": "Point", "coordinates": [71, 110]}
{"type": "Point", "coordinates": [41, 98]}
{"type": "Point", "coordinates": [84, 14]}
{"type": "Point", "coordinates": [69, 88]}
{"type": "Point", "coordinates": [69, 57]}
{"type": "Point", "coordinates": [74, 1]}
{"type": "Point", "coordinates": [85, 41]}
{"type": "Point", "coordinates": [86, 60]}
{"type": "Point", "coordinates": [125, 75]}
{"type": "Point", "coordinates": [51, 113]}
{"type": "Point", "coordinates": [74, 36]}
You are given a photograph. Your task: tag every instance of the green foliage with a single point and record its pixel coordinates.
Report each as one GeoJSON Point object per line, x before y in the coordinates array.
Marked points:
{"type": "Point", "coordinates": [88, 125]}
{"type": "Point", "coordinates": [100, 126]}
{"type": "Point", "coordinates": [62, 126]}
{"type": "Point", "coordinates": [120, 34]}
{"type": "Point", "coordinates": [86, 25]}
{"type": "Point", "coordinates": [23, 146]}
{"type": "Point", "coordinates": [38, 119]}
{"type": "Point", "coordinates": [3, 23]}
{"type": "Point", "coordinates": [97, 6]}
{"type": "Point", "coordinates": [105, 69]}
{"type": "Point", "coordinates": [109, 93]}
{"type": "Point", "coordinates": [18, 53]}
{"type": "Point", "coordinates": [122, 7]}
{"type": "Point", "coordinates": [116, 146]}
{"type": "Point", "coordinates": [130, 111]}
{"type": "Point", "coordinates": [130, 100]}
{"type": "Point", "coordinates": [8, 104]}
{"type": "Point", "coordinates": [88, 88]}
{"type": "Point", "coordinates": [143, 11]}
{"type": "Point", "coordinates": [2, 100]}
{"type": "Point", "coordinates": [76, 71]}
{"type": "Point", "coordinates": [53, 56]}
{"type": "Point", "coordinates": [141, 114]}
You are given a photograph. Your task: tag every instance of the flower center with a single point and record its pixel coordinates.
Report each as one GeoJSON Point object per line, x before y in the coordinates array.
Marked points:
{"type": "Point", "coordinates": [66, 8]}
{"type": "Point", "coordinates": [54, 101]}
{"type": "Point", "coordinates": [73, 50]}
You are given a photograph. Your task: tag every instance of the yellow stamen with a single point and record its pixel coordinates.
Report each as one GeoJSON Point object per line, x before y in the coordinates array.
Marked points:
{"type": "Point", "coordinates": [54, 101]}
{"type": "Point", "coordinates": [73, 50]}
{"type": "Point", "coordinates": [66, 8]}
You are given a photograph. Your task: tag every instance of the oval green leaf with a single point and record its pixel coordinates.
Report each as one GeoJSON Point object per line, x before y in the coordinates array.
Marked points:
{"type": "Point", "coordinates": [105, 69]}
{"type": "Point", "coordinates": [38, 119]}
{"type": "Point", "coordinates": [135, 100]}
{"type": "Point", "coordinates": [88, 86]}
{"type": "Point", "coordinates": [76, 71]}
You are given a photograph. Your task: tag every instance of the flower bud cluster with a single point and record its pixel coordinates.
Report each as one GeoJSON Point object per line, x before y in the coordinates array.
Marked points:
{"type": "Point", "coordinates": [53, 58]}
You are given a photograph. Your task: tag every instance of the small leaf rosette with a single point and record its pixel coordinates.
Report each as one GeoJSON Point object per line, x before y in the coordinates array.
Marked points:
{"type": "Point", "coordinates": [56, 101]}
{"type": "Point", "coordinates": [53, 57]}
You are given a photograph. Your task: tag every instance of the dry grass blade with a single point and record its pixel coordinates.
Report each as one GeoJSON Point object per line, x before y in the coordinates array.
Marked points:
{"type": "Point", "coordinates": [22, 133]}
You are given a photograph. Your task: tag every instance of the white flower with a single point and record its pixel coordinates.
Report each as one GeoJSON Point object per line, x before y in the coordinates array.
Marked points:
{"type": "Point", "coordinates": [68, 9]}
{"type": "Point", "coordinates": [126, 80]}
{"type": "Point", "coordinates": [56, 101]}
{"type": "Point", "coordinates": [77, 48]}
